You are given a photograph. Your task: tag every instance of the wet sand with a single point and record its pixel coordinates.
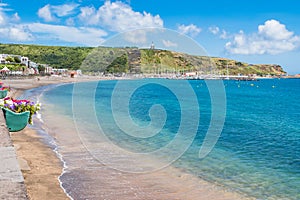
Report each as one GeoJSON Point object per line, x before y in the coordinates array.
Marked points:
{"type": "Point", "coordinates": [41, 168]}
{"type": "Point", "coordinates": [39, 163]}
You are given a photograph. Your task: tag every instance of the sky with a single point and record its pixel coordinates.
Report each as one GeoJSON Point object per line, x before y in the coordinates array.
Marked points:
{"type": "Point", "coordinates": [256, 32]}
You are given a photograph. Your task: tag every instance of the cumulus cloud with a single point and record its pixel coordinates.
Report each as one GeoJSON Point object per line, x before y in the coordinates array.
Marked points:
{"type": "Point", "coordinates": [20, 34]}
{"type": "Point", "coordinates": [16, 17]}
{"type": "Point", "coordinates": [274, 30]}
{"type": "Point", "coordinates": [16, 33]}
{"type": "Point", "coordinates": [70, 21]}
{"type": "Point", "coordinates": [45, 13]}
{"type": "Point", "coordinates": [80, 35]}
{"type": "Point", "coordinates": [64, 10]}
{"type": "Point", "coordinates": [217, 31]}
{"type": "Point", "coordinates": [271, 38]}
{"type": "Point", "coordinates": [51, 13]}
{"type": "Point", "coordinates": [10, 31]}
{"type": "Point", "coordinates": [111, 16]}
{"type": "Point", "coordinates": [118, 16]}
{"type": "Point", "coordinates": [136, 36]}
{"type": "Point", "coordinates": [191, 30]}
{"type": "Point", "coordinates": [168, 43]}
{"type": "Point", "coordinates": [224, 35]}
{"type": "Point", "coordinates": [2, 19]}
{"type": "Point", "coordinates": [89, 15]}
{"type": "Point", "coordinates": [214, 30]}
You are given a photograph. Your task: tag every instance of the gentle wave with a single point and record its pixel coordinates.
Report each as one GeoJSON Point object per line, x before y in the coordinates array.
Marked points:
{"type": "Point", "coordinates": [259, 148]}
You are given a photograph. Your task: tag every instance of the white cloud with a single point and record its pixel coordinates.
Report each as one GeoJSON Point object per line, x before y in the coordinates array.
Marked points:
{"type": "Point", "coordinates": [217, 31]}
{"type": "Point", "coordinates": [191, 29]}
{"type": "Point", "coordinates": [113, 16]}
{"type": "Point", "coordinates": [81, 35]}
{"type": "Point", "coordinates": [16, 33]}
{"type": "Point", "coordinates": [118, 16]}
{"type": "Point", "coordinates": [64, 10]}
{"type": "Point", "coordinates": [10, 31]}
{"type": "Point", "coordinates": [168, 43]}
{"type": "Point", "coordinates": [88, 15]}
{"type": "Point", "coordinates": [51, 13]}
{"type": "Point", "coordinates": [3, 4]}
{"type": "Point", "coordinates": [224, 35]}
{"type": "Point", "coordinates": [20, 34]}
{"type": "Point", "coordinates": [16, 17]}
{"type": "Point", "coordinates": [136, 36]}
{"type": "Point", "coordinates": [214, 30]}
{"type": "Point", "coordinates": [70, 22]}
{"type": "Point", "coordinates": [274, 30]}
{"type": "Point", "coordinates": [45, 13]}
{"type": "Point", "coordinates": [2, 19]}
{"type": "Point", "coordinates": [3, 7]}
{"type": "Point", "coordinates": [271, 38]}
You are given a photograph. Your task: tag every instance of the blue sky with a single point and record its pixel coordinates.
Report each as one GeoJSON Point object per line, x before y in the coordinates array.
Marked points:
{"type": "Point", "coordinates": [249, 31]}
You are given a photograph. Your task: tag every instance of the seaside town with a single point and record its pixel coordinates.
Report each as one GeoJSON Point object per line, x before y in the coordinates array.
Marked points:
{"type": "Point", "coordinates": [17, 65]}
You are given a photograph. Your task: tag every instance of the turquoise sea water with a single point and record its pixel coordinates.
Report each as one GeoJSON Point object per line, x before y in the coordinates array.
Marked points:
{"type": "Point", "coordinates": [258, 152]}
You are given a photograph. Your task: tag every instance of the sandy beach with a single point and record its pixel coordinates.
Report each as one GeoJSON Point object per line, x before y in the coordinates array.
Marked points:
{"type": "Point", "coordinates": [41, 168]}
{"type": "Point", "coordinates": [39, 163]}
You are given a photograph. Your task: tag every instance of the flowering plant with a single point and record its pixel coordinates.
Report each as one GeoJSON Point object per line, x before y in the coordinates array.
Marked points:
{"type": "Point", "coordinates": [5, 88]}
{"type": "Point", "coordinates": [19, 106]}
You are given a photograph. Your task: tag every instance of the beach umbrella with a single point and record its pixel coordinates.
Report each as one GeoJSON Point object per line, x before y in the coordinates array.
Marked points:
{"type": "Point", "coordinates": [5, 69]}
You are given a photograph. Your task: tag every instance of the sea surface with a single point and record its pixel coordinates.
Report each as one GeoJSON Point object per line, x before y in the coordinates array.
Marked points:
{"type": "Point", "coordinates": [256, 151]}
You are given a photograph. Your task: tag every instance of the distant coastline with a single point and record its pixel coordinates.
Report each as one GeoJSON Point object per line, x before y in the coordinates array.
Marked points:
{"type": "Point", "coordinates": [133, 60]}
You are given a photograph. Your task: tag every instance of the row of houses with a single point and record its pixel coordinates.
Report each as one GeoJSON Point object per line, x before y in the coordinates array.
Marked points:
{"type": "Point", "coordinates": [32, 67]}
{"type": "Point", "coordinates": [3, 59]}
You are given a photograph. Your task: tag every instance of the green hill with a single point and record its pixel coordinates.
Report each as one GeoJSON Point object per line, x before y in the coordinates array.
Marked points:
{"type": "Point", "coordinates": [55, 56]}
{"type": "Point", "coordinates": [133, 60]}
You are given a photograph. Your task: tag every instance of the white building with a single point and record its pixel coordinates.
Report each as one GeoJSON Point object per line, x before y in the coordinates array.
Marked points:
{"type": "Point", "coordinates": [24, 60]}
{"type": "Point", "coordinates": [48, 70]}
{"type": "Point", "coordinates": [2, 58]}
{"type": "Point", "coordinates": [152, 46]}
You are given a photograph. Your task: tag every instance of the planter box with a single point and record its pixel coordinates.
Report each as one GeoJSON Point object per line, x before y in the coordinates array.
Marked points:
{"type": "Point", "coordinates": [3, 94]}
{"type": "Point", "coordinates": [15, 121]}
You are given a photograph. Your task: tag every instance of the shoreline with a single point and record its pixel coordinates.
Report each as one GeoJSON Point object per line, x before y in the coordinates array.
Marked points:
{"type": "Point", "coordinates": [40, 165]}
{"type": "Point", "coordinates": [44, 185]}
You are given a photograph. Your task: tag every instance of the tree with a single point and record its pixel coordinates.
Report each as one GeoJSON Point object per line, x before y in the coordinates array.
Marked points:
{"type": "Point", "coordinates": [17, 59]}
{"type": "Point", "coordinates": [9, 59]}
{"type": "Point", "coordinates": [119, 64]}
{"type": "Point", "coordinates": [41, 69]}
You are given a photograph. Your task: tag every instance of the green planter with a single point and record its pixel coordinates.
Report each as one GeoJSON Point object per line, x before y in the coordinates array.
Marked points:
{"type": "Point", "coordinates": [15, 121]}
{"type": "Point", "coordinates": [3, 94]}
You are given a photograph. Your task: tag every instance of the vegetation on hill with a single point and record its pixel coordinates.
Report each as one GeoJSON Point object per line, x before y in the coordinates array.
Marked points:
{"type": "Point", "coordinates": [236, 67]}
{"type": "Point", "coordinates": [133, 60]}
{"type": "Point", "coordinates": [166, 61]}
{"type": "Point", "coordinates": [55, 56]}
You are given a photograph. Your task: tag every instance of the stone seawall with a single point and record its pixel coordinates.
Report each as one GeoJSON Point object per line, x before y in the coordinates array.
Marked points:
{"type": "Point", "coordinates": [11, 179]}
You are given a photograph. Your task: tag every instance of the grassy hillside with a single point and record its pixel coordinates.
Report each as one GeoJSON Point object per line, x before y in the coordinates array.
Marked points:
{"type": "Point", "coordinates": [236, 67]}
{"type": "Point", "coordinates": [167, 60]}
{"type": "Point", "coordinates": [133, 60]}
{"type": "Point", "coordinates": [56, 56]}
